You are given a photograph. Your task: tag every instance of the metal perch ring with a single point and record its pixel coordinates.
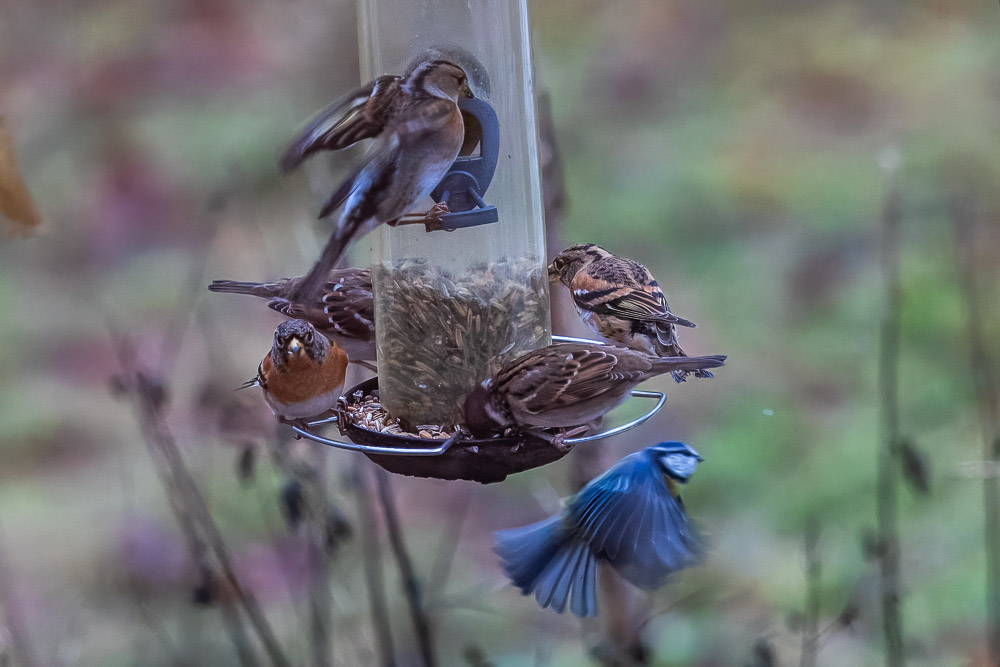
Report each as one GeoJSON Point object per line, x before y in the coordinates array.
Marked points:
{"type": "Point", "coordinates": [445, 445]}
{"type": "Point", "coordinates": [483, 460]}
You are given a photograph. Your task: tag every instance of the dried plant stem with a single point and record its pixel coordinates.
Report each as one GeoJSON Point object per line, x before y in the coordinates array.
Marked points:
{"type": "Point", "coordinates": [12, 621]}
{"type": "Point", "coordinates": [312, 475]}
{"type": "Point", "coordinates": [411, 585]}
{"type": "Point", "coordinates": [887, 512]}
{"type": "Point", "coordinates": [987, 395]}
{"type": "Point", "coordinates": [373, 564]}
{"type": "Point", "coordinates": [811, 633]}
{"type": "Point", "coordinates": [191, 511]}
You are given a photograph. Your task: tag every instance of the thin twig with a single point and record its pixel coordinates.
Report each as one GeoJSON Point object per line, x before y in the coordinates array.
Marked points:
{"type": "Point", "coordinates": [411, 586]}
{"type": "Point", "coordinates": [189, 505]}
{"type": "Point", "coordinates": [313, 479]}
{"type": "Point", "coordinates": [448, 545]}
{"type": "Point", "coordinates": [888, 456]}
{"type": "Point", "coordinates": [810, 633]}
{"type": "Point", "coordinates": [373, 565]}
{"type": "Point", "coordinates": [987, 394]}
{"type": "Point", "coordinates": [20, 648]}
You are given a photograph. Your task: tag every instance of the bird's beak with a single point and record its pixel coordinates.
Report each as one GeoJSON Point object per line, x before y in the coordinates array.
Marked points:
{"type": "Point", "coordinates": [465, 91]}
{"type": "Point", "coordinates": [294, 346]}
{"type": "Point", "coordinates": [553, 273]}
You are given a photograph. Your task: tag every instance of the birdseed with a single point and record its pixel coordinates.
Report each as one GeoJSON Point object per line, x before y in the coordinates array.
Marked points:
{"type": "Point", "coordinates": [367, 412]}
{"type": "Point", "coordinates": [439, 335]}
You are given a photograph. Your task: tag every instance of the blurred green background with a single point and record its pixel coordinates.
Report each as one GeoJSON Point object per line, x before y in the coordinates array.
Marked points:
{"type": "Point", "coordinates": [732, 147]}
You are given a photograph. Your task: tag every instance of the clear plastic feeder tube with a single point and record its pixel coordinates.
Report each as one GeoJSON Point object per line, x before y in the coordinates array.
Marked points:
{"type": "Point", "coordinates": [451, 307]}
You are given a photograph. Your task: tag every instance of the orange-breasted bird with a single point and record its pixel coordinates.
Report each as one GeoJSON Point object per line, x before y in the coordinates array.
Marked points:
{"type": "Point", "coordinates": [418, 129]}
{"type": "Point", "coordinates": [303, 374]}
{"type": "Point", "coordinates": [620, 300]}
{"type": "Point", "coordinates": [344, 311]}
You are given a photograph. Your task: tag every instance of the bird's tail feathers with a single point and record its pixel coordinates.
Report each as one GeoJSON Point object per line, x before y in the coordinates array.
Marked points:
{"type": "Point", "coordinates": [263, 290]}
{"type": "Point", "coordinates": [696, 365]}
{"type": "Point", "coordinates": [544, 560]}
{"type": "Point", "coordinates": [308, 290]}
{"type": "Point", "coordinates": [665, 320]}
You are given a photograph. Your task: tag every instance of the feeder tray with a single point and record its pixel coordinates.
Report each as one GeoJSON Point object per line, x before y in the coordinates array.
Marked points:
{"type": "Point", "coordinates": [483, 460]}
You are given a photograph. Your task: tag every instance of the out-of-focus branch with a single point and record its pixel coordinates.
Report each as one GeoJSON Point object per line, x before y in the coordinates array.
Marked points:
{"type": "Point", "coordinates": [20, 648]}
{"type": "Point", "coordinates": [411, 585]}
{"type": "Point", "coordinates": [887, 511]}
{"type": "Point", "coordinates": [987, 396]}
{"type": "Point", "coordinates": [191, 510]}
{"type": "Point", "coordinates": [309, 470]}
{"type": "Point", "coordinates": [810, 632]}
{"type": "Point", "coordinates": [621, 631]}
{"type": "Point", "coordinates": [373, 564]}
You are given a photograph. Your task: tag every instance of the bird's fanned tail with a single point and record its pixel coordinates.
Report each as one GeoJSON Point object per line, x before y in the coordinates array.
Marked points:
{"type": "Point", "coordinates": [558, 568]}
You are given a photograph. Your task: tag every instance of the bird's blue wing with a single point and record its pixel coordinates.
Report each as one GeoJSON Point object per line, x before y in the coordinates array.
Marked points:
{"type": "Point", "coordinates": [630, 518]}
{"type": "Point", "coordinates": [546, 560]}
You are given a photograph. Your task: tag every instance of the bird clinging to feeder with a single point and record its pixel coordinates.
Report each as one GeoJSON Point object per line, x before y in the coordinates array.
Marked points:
{"type": "Point", "coordinates": [630, 517]}
{"type": "Point", "coordinates": [620, 300]}
{"type": "Point", "coordinates": [303, 374]}
{"type": "Point", "coordinates": [419, 130]}
{"type": "Point", "coordinates": [343, 311]}
{"type": "Point", "coordinates": [567, 386]}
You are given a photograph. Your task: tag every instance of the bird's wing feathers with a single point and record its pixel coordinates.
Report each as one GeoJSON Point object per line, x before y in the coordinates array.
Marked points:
{"type": "Point", "coordinates": [563, 376]}
{"type": "Point", "coordinates": [621, 295]}
{"type": "Point", "coordinates": [345, 305]}
{"type": "Point", "coordinates": [629, 517]}
{"type": "Point", "coordinates": [356, 116]}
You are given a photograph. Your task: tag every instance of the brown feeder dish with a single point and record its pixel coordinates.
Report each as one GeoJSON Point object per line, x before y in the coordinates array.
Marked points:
{"type": "Point", "coordinates": [483, 460]}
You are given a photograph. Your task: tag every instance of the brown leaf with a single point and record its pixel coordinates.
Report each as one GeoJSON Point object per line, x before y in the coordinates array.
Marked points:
{"type": "Point", "coordinates": [16, 204]}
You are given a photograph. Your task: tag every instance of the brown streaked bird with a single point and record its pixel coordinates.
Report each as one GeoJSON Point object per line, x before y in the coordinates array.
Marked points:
{"type": "Point", "coordinates": [620, 299]}
{"type": "Point", "coordinates": [303, 374]}
{"type": "Point", "coordinates": [418, 131]}
{"type": "Point", "coordinates": [343, 311]}
{"type": "Point", "coordinates": [566, 386]}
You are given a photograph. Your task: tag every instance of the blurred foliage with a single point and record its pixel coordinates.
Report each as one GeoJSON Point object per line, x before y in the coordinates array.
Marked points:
{"type": "Point", "coordinates": [731, 147]}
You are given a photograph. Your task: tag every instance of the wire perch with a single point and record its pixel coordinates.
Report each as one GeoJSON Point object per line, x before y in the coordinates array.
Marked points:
{"type": "Point", "coordinates": [482, 460]}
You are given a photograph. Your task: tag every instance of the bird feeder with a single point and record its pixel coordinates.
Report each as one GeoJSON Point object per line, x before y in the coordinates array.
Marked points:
{"type": "Point", "coordinates": [451, 307]}
{"type": "Point", "coordinates": [463, 293]}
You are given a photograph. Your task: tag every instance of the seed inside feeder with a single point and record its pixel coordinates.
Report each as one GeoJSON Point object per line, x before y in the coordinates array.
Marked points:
{"type": "Point", "coordinates": [440, 333]}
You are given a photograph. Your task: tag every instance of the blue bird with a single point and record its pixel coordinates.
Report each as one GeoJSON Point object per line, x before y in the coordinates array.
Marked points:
{"type": "Point", "coordinates": [630, 517]}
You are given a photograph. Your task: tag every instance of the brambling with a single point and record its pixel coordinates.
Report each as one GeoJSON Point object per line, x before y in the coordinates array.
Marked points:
{"type": "Point", "coordinates": [630, 517]}
{"type": "Point", "coordinates": [566, 385]}
{"type": "Point", "coordinates": [619, 299]}
{"type": "Point", "coordinates": [418, 130]}
{"type": "Point", "coordinates": [344, 311]}
{"type": "Point", "coordinates": [303, 374]}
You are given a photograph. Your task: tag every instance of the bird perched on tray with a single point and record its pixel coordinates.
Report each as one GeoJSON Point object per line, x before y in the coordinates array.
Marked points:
{"type": "Point", "coordinates": [303, 374]}
{"type": "Point", "coordinates": [344, 310]}
{"type": "Point", "coordinates": [620, 300]}
{"type": "Point", "coordinates": [566, 385]}
{"type": "Point", "coordinates": [630, 517]}
{"type": "Point", "coordinates": [418, 130]}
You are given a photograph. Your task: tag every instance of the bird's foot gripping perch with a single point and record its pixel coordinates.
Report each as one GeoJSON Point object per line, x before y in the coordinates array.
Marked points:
{"type": "Point", "coordinates": [431, 218]}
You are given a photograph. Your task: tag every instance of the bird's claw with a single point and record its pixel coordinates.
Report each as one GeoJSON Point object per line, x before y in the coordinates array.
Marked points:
{"type": "Point", "coordinates": [559, 442]}
{"type": "Point", "coordinates": [431, 219]}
